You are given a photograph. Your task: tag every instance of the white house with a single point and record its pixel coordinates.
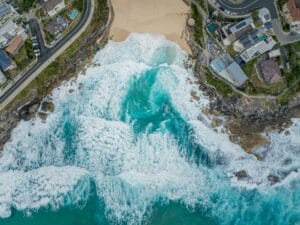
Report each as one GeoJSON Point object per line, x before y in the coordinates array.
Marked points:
{"type": "Point", "coordinates": [8, 31]}
{"type": "Point", "coordinates": [53, 7]}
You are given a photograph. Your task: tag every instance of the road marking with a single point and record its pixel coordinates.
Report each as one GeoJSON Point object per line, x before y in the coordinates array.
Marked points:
{"type": "Point", "coordinates": [245, 7]}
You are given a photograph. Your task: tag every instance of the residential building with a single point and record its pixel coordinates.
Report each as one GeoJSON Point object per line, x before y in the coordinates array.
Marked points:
{"type": "Point", "coordinates": [5, 10]}
{"type": "Point", "coordinates": [246, 41]}
{"type": "Point", "coordinates": [269, 71]}
{"type": "Point", "coordinates": [53, 7]}
{"type": "Point", "coordinates": [268, 26]}
{"type": "Point", "coordinates": [295, 27]}
{"type": "Point", "coordinates": [5, 62]}
{"type": "Point", "coordinates": [258, 49]}
{"type": "Point", "coordinates": [8, 31]}
{"type": "Point", "coordinates": [293, 7]}
{"type": "Point", "coordinates": [275, 53]}
{"type": "Point", "coordinates": [57, 26]}
{"type": "Point", "coordinates": [251, 38]}
{"type": "Point", "coordinates": [3, 78]}
{"type": "Point", "coordinates": [264, 15]}
{"type": "Point", "coordinates": [242, 27]}
{"type": "Point", "coordinates": [15, 45]}
{"type": "Point", "coordinates": [229, 70]}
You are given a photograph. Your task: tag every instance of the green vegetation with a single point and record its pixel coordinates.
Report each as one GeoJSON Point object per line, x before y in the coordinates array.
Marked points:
{"type": "Point", "coordinates": [49, 38]}
{"type": "Point", "coordinates": [295, 47]}
{"type": "Point", "coordinates": [78, 4]}
{"type": "Point", "coordinates": [202, 4]}
{"type": "Point", "coordinates": [280, 3]}
{"type": "Point", "coordinates": [289, 94]}
{"type": "Point", "coordinates": [231, 51]}
{"type": "Point", "coordinates": [284, 23]}
{"type": "Point", "coordinates": [198, 28]}
{"type": "Point", "coordinates": [25, 5]}
{"type": "Point", "coordinates": [221, 87]}
{"type": "Point", "coordinates": [24, 56]}
{"type": "Point", "coordinates": [254, 14]}
{"type": "Point", "coordinates": [211, 9]}
{"type": "Point", "coordinates": [292, 76]}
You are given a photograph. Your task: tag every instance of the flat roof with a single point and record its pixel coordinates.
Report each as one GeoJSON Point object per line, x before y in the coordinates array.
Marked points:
{"type": "Point", "coordinates": [241, 25]}
{"type": "Point", "coordinates": [5, 61]}
{"type": "Point", "coordinates": [14, 45]}
{"type": "Point", "coordinates": [4, 9]}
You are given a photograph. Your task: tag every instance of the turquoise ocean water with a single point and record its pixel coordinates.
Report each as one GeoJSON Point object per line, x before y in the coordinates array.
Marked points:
{"type": "Point", "coordinates": [127, 144]}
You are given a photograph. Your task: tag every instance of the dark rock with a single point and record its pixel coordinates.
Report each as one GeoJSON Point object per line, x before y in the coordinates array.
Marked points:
{"type": "Point", "coordinates": [287, 161]}
{"type": "Point", "coordinates": [28, 111]}
{"type": "Point", "coordinates": [273, 179]}
{"type": "Point", "coordinates": [43, 116]}
{"type": "Point", "coordinates": [241, 174]}
{"type": "Point", "coordinates": [48, 106]}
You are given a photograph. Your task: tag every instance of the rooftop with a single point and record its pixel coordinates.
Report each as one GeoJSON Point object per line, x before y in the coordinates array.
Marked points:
{"type": "Point", "coordinates": [294, 7]}
{"type": "Point", "coordinates": [4, 9]}
{"type": "Point", "coordinates": [264, 15]}
{"type": "Point", "coordinates": [5, 61]}
{"type": "Point", "coordinates": [15, 45]}
{"type": "Point", "coordinates": [269, 71]}
{"type": "Point", "coordinates": [241, 25]}
{"type": "Point", "coordinates": [259, 48]}
{"type": "Point", "coordinates": [57, 25]}
{"type": "Point", "coordinates": [229, 70]}
{"type": "Point", "coordinates": [51, 4]}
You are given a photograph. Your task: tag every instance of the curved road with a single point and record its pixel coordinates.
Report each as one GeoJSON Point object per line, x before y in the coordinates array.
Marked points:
{"type": "Point", "coordinates": [88, 9]}
{"type": "Point", "coordinates": [248, 6]}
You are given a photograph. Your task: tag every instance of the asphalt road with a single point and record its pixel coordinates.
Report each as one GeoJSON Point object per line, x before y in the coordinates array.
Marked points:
{"type": "Point", "coordinates": [249, 6]}
{"type": "Point", "coordinates": [43, 59]}
{"type": "Point", "coordinates": [36, 31]}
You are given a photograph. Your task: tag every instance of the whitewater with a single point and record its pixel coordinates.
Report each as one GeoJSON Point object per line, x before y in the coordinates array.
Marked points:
{"type": "Point", "coordinates": [127, 136]}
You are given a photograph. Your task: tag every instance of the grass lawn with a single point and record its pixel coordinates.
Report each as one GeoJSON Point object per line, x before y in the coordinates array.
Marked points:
{"type": "Point", "coordinates": [231, 51]}
{"type": "Point", "coordinates": [221, 87]}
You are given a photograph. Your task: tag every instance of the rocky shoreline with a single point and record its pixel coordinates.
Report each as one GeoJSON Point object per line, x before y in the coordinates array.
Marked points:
{"type": "Point", "coordinates": [246, 118]}
{"type": "Point", "coordinates": [97, 36]}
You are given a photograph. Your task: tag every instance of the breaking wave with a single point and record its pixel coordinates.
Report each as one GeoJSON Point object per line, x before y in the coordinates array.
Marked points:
{"type": "Point", "coordinates": [131, 127]}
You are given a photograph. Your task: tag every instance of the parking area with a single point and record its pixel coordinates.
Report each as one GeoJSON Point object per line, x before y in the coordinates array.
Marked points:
{"type": "Point", "coordinates": [37, 39]}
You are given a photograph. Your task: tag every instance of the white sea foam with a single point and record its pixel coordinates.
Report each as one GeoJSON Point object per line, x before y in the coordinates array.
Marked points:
{"type": "Point", "coordinates": [46, 186]}
{"type": "Point", "coordinates": [131, 171]}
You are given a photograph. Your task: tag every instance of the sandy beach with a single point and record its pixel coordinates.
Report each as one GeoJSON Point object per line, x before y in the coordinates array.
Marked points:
{"type": "Point", "coordinates": [167, 17]}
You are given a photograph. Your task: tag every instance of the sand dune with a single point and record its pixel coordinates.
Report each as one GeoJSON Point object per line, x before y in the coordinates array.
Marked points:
{"type": "Point", "coordinates": [167, 17]}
